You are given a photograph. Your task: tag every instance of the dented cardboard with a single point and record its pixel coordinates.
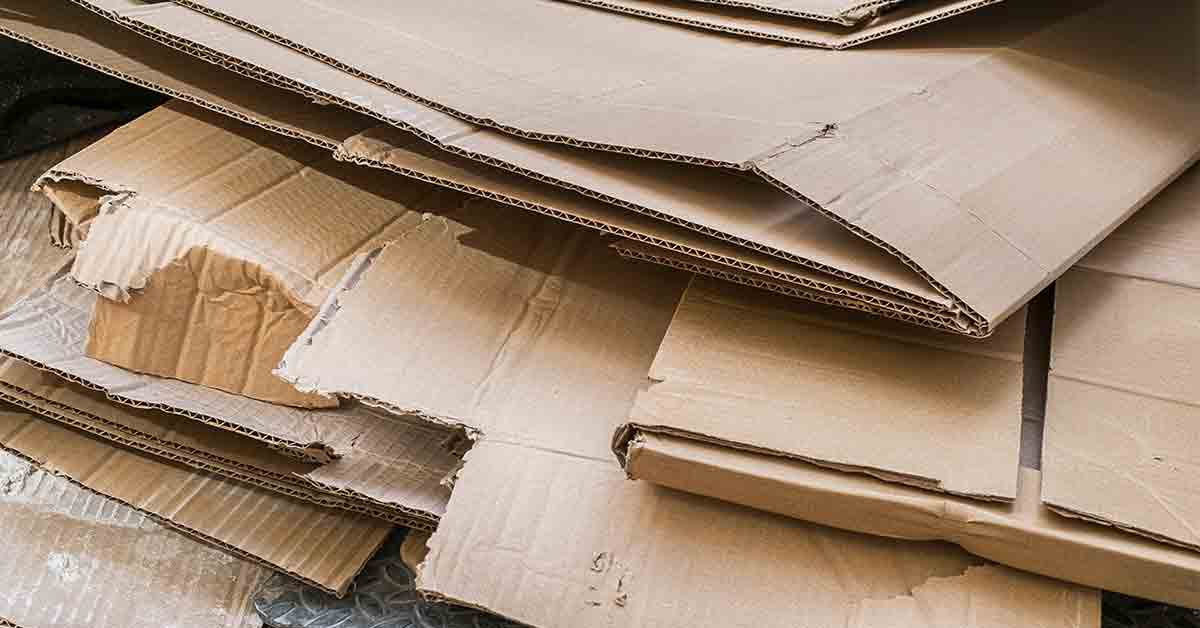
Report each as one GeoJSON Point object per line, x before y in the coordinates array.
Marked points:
{"type": "Point", "coordinates": [75, 559]}
{"type": "Point", "coordinates": [284, 533]}
{"type": "Point", "coordinates": [1123, 394]}
{"type": "Point", "coordinates": [986, 221]}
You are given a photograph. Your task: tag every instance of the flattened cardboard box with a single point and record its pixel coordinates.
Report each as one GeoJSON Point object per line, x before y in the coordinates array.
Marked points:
{"type": "Point", "coordinates": [989, 220]}
{"type": "Point", "coordinates": [75, 559]}
{"type": "Point", "coordinates": [523, 330]}
{"type": "Point", "coordinates": [732, 354]}
{"type": "Point", "coordinates": [389, 466]}
{"type": "Point", "coordinates": [1122, 411]}
{"type": "Point", "coordinates": [323, 547]}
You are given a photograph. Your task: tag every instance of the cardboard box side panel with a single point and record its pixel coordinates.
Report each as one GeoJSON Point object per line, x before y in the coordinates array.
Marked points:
{"type": "Point", "coordinates": [89, 561]}
{"type": "Point", "coordinates": [576, 525]}
{"type": "Point", "coordinates": [1025, 535]}
{"type": "Point", "coordinates": [298, 540]}
{"type": "Point", "coordinates": [796, 381]}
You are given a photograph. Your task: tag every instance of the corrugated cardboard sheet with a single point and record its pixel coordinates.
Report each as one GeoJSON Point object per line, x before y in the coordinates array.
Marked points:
{"type": "Point", "coordinates": [525, 331]}
{"type": "Point", "coordinates": [390, 464]}
{"type": "Point", "coordinates": [318, 545]}
{"type": "Point", "coordinates": [847, 153]}
{"type": "Point", "coordinates": [82, 560]}
{"type": "Point", "coordinates": [1124, 395]}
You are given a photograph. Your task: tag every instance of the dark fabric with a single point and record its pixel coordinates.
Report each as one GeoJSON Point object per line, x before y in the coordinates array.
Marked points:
{"type": "Point", "coordinates": [46, 99]}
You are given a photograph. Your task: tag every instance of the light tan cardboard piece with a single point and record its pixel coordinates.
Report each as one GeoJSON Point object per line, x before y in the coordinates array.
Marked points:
{"type": "Point", "coordinates": [393, 465]}
{"type": "Point", "coordinates": [525, 331]}
{"type": "Point", "coordinates": [820, 24]}
{"type": "Point", "coordinates": [321, 546]}
{"type": "Point", "coordinates": [851, 158]}
{"type": "Point", "coordinates": [1124, 394]}
{"type": "Point", "coordinates": [748, 352]}
{"type": "Point", "coordinates": [75, 559]}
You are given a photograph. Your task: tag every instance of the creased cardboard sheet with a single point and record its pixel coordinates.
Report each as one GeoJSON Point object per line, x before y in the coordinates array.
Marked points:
{"type": "Point", "coordinates": [395, 465]}
{"type": "Point", "coordinates": [740, 368]}
{"type": "Point", "coordinates": [1124, 393]}
{"type": "Point", "coordinates": [825, 26]}
{"type": "Point", "coordinates": [668, 205]}
{"type": "Point", "coordinates": [864, 152]}
{"type": "Point", "coordinates": [525, 331]}
{"type": "Point", "coordinates": [318, 545]}
{"type": "Point", "coordinates": [75, 559]}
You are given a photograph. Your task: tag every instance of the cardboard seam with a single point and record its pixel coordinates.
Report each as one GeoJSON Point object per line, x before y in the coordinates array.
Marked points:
{"type": "Point", "coordinates": [272, 78]}
{"type": "Point", "coordinates": [1083, 516]}
{"type": "Point", "coordinates": [190, 532]}
{"type": "Point", "coordinates": [1132, 390]}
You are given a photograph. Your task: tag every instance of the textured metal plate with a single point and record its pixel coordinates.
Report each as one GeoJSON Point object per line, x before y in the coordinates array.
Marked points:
{"type": "Point", "coordinates": [383, 596]}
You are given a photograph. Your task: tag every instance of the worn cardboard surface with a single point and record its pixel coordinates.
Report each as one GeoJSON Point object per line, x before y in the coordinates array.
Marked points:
{"type": "Point", "coordinates": [318, 545]}
{"type": "Point", "coordinates": [1123, 394]}
{"type": "Point", "coordinates": [1055, 140]}
{"type": "Point", "coordinates": [75, 559]}
{"type": "Point", "coordinates": [804, 382]}
{"type": "Point", "coordinates": [823, 25]}
{"type": "Point", "coordinates": [393, 464]}
{"type": "Point", "coordinates": [524, 330]}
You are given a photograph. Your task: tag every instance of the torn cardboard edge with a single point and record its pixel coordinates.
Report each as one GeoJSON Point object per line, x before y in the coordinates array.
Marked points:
{"type": "Point", "coordinates": [393, 463]}
{"type": "Point", "coordinates": [1025, 535]}
{"type": "Point", "coordinates": [271, 77]}
{"type": "Point", "coordinates": [83, 560]}
{"type": "Point", "coordinates": [858, 25]}
{"type": "Point", "coordinates": [254, 542]}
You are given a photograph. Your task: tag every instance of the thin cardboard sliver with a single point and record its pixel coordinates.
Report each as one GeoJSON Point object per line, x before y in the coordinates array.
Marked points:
{"type": "Point", "coordinates": [982, 221]}
{"type": "Point", "coordinates": [297, 537]}
{"type": "Point", "coordinates": [83, 560]}
{"type": "Point", "coordinates": [1122, 406]}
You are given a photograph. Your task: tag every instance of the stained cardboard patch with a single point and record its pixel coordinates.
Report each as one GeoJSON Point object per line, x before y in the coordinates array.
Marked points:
{"type": "Point", "coordinates": [76, 559]}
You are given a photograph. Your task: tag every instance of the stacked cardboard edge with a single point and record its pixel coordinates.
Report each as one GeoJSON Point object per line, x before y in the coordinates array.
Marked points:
{"type": "Point", "coordinates": [662, 313]}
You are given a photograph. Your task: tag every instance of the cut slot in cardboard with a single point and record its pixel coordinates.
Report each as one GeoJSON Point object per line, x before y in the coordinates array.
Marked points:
{"type": "Point", "coordinates": [75, 559]}
{"type": "Point", "coordinates": [526, 332]}
{"type": "Point", "coordinates": [1055, 140]}
{"type": "Point", "coordinates": [385, 464]}
{"type": "Point", "coordinates": [323, 547]}
{"type": "Point", "coordinates": [1122, 405]}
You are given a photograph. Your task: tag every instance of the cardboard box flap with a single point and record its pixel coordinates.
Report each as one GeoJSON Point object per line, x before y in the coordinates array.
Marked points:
{"type": "Point", "coordinates": [323, 547]}
{"type": "Point", "coordinates": [82, 560]}
{"type": "Point", "coordinates": [583, 547]}
{"type": "Point", "coordinates": [669, 193]}
{"type": "Point", "coordinates": [393, 462]}
{"type": "Point", "coordinates": [1025, 534]}
{"type": "Point", "coordinates": [495, 321]}
{"type": "Point", "coordinates": [774, 375]}
{"type": "Point", "coordinates": [833, 30]}
{"type": "Point", "coordinates": [1122, 411]}
{"type": "Point", "coordinates": [1077, 115]}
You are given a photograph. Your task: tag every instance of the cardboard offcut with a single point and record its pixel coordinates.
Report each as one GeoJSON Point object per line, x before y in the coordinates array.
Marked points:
{"type": "Point", "coordinates": [1123, 393]}
{"type": "Point", "coordinates": [1055, 140]}
{"type": "Point", "coordinates": [323, 547]}
{"type": "Point", "coordinates": [76, 559]}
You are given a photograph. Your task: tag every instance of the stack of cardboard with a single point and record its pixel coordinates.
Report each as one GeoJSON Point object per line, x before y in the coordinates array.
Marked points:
{"type": "Point", "coordinates": [648, 312]}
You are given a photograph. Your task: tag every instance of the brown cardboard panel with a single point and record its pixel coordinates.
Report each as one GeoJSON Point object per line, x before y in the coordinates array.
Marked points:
{"type": "Point", "coordinates": [845, 12]}
{"type": "Point", "coordinates": [1025, 534]}
{"type": "Point", "coordinates": [321, 546]}
{"type": "Point", "coordinates": [848, 151]}
{"type": "Point", "coordinates": [1120, 444]}
{"type": "Point", "coordinates": [866, 21]}
{"type": "Point", "coordinates": [393, 463]}
{"type": "Point", "coordinates": [581, 546]}
{"type": "Point", "coordinates": [777, 376]}
{"type": "Point", "coordinates": [669, 192]}
{"type": "Point", "coordinates": [75, 559]}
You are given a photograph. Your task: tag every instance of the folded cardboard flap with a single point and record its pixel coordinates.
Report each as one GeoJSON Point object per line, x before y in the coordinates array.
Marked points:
{"type": "Point", "coordinates": [1122, 407]}
{"type": "Point", "coordinates": [323, 547]}
{"type": "Point", "coordinates": [860, 169]}
{"type": "Point", "coordinates": [396, 464]}
{"type": "Point", "coordinates": [82, 560]}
